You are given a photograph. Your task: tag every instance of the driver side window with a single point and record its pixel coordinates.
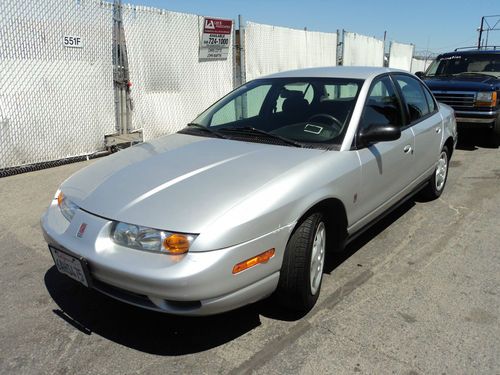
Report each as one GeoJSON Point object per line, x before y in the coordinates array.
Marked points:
{"type": "Point", "coordinates": [382, 106]}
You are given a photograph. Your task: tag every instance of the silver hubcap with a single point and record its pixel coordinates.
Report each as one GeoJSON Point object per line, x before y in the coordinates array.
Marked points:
{"type": "Point", "coordinates": [318, 257]}
{"type": "Point", "coordinates": [441, 170]}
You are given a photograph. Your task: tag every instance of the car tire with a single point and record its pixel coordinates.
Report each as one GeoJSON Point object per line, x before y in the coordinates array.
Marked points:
{"type": "Point", "coordinates": [302, 269]}
{"type": "Point", "coordinates": [437, 182]}
{"type": "Point", "coordinates": [495, 134]}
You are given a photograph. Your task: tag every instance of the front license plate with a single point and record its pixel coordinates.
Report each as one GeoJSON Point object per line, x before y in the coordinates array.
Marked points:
{"type": "Point", "coordinates": [70, 265]}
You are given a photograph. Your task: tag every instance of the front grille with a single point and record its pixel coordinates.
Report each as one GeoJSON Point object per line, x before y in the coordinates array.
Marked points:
{"type": "Point", "coordinates": [458, 100]}
{"type": "Point", "coordinates": [124, 295]}
{"type": "Point", "coordinates": [142, 300]}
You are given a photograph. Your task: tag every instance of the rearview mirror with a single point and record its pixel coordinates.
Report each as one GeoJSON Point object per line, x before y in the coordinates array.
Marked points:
{"type": "Point", "coordinates": [378, 133]}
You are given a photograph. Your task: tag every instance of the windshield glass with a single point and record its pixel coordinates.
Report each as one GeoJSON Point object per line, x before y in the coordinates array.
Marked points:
{"type": "Point", "coordinates": [466, 64]}
{"type": "Point", "coordinates": [309, 111]}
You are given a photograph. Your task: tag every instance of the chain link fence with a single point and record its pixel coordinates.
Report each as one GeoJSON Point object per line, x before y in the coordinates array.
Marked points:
{"type": "Point", "coordinates": [56, 73]}
{"type": "Point", "coordinates": [362, 50]}
{"type": "Point", "coordinates": [270, 49]}
{"type": "Point", "coordinates": [56, 101]}
{"type": "Point", "coordinates": [170, 84]}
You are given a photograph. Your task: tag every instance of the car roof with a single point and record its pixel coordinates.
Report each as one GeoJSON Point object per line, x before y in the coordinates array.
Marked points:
{"type": "Point", "coordinates": [470, 52]}
{"type": "Point", "coordinates": [354, 72]}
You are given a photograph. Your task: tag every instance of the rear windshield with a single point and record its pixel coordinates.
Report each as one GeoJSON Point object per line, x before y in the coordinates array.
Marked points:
{"type": "Point", "coordinates": [487, 64]}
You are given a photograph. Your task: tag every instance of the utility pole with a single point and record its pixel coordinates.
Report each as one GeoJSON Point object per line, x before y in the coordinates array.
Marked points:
{"type": "Point", "coordinates": [480, 33]}
{"type": "Point", "coordinates": [488, 23]}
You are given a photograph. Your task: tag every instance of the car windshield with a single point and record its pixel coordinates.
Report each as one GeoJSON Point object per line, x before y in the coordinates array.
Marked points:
{"type": "Point", "coordinates": [303, 112]}
{"type": "Point", "coordinates": [477, 64]}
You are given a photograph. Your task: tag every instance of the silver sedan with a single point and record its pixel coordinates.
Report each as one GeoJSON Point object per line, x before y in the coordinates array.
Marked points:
{"type": "Point", "coordinates": [245, 201]}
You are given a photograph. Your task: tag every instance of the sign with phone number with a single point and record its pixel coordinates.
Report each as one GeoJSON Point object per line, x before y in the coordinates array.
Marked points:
{"type": "Point", "coordinates": [216, 39]}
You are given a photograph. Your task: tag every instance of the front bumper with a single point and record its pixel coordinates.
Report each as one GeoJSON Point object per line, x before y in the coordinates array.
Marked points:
{"type": "Point", "coordinates": [476, 118]}
{"type": "Point", "coordinates": [197, 283]}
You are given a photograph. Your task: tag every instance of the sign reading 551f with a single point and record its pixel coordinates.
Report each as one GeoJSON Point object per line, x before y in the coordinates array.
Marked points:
{"type": "Point", "coordinates": [72, 41]}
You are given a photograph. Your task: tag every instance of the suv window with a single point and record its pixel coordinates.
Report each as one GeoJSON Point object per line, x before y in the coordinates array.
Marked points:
{"type": "Point", "coordinates": [472, 64]}
{"type": "Point", "coordinates": [382, 105]}
{"type": "Point", "coordinates": [414, 96]}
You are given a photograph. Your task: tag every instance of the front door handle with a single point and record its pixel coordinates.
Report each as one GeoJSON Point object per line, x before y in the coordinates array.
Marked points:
{"type": "Point", "coordinates": [408, 149]}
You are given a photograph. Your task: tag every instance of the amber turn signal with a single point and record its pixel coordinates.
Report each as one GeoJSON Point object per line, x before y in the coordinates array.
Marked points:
{"type": "Point", "coordinates": [261, 258]}
{"type": "Point", "coordinates": [60, 198]}
{"type": "Point", "coordinates": [176, 244]}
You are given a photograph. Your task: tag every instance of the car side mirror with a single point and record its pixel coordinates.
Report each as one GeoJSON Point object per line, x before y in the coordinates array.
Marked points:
{"type": "Point", "coordinates": [420, 74]}
{"type": "Point", "coordinates": [378, 133]}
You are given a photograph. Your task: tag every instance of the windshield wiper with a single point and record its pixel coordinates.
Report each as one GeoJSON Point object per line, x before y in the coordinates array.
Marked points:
{"type": "Point", "coordinates": [250, 129]}
{"type": "Point", "coordinates": [207, 130]}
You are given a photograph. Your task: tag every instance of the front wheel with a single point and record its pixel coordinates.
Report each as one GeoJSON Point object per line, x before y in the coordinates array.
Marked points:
{"type": "Point", "coordinates": [302, 270]}
{"type": "Point", "coordinates": [437, 182]}
{"type": "Point", "coordinates": [495, 134]}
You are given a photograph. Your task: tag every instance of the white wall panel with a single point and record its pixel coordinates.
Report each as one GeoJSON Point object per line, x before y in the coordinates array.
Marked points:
{"type": "Point", "coordinates": [361, 50]}
{"type": "Point", "coordinates": [400, 56]}
{"type": "Point", "coordinates": [420, 65]}
{"type": "Point", "coordinates": [271, 49]}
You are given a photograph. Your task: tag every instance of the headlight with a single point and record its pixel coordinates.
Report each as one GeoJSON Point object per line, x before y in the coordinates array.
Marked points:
{"type": "Point", "coordinates": [486, 98]}
{"type": "Point", "coordinates": [67, 207]}
{"type": "Point", "coordinates": [143, 238]}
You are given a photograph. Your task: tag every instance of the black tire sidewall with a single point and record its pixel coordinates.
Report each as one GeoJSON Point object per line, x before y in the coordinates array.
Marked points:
{"type": "Point", "coordinates": [294, 287]}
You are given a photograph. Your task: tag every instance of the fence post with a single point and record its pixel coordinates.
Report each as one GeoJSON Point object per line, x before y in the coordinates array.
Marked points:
{"type": "Point", "coordinates": [340, 47]}
{"type": "Point", "coordinates": [236, 57]}
{"type": "Point", "coordinates": [241, 28]}
{"type": "Point", "coordinates": [121, 84]}
{"type": "Point", "coordinates": [121, 71]}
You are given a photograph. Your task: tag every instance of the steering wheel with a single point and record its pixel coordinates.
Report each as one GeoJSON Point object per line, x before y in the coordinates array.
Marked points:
{"type": "Point", "coordinates": [331, 120]}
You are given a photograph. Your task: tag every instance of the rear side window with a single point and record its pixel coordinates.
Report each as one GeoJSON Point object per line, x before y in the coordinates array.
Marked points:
{"type": "Point", "coordinates": [296, 89]}
{"type": "Point", "coordinates": [413, 94]}
{"type": "Point", "coordinates": [382, 106]}
{"type": "Point", "coordinates": [343, 91]}
{"type": "Point", "coordinates": [430, 100]}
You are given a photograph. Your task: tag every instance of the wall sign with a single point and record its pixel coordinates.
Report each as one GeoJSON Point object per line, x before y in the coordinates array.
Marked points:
{"type": "Point", "coordinates": [72, 41]}
{"type": "Point", "coordinates": [216, 39]}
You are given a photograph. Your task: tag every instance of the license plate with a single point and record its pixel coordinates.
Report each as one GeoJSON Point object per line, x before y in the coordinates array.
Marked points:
{"type": "Point", "coordinates": [71, 266]}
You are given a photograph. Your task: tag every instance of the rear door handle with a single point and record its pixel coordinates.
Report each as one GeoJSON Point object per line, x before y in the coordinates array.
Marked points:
{"type": "Point", "coordinates": [438, 130]}
{"type": "Point", "coordinates": [407, 149]}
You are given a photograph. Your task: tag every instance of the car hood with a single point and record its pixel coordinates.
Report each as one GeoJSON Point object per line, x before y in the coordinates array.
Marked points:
{"type": "Point", "coordinates": [179, 182]}
{"type": "Point", "coordinates": [462, 83]}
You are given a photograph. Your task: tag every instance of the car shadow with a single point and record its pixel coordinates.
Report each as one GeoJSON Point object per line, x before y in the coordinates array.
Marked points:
{"type": "Point", "coordinates": [163, 334]}
{"type": "Point", "coordinates": [147, 331]}
{"type": "Point", "coordinates": [472, 139]}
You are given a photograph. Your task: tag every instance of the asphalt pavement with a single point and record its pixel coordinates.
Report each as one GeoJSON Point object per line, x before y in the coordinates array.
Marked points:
{"type": "Point", "coordinates": [419, 293]}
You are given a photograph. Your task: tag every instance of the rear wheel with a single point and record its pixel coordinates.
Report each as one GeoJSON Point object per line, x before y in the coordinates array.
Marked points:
{"type": "Point", "coordinates": [436, 184]}
{"type": "Point", "coordinates": [302, 270]}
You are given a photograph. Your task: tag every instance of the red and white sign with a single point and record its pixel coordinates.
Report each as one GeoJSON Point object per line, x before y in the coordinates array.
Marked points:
{"type": "Point", "coordinates": [216, 39]}
{"type": "Point", "coordinates": [217, 26]}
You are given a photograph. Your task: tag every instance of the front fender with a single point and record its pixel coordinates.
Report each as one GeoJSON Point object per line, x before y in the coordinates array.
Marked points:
{"type": "Point", "coordinates": [282, 201]}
